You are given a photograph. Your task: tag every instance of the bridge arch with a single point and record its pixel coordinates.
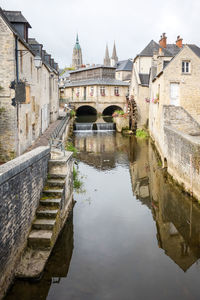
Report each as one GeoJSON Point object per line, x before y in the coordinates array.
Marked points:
{"type": "Point", "coordinates": [86, 110]}
{"type": "Point", "coordinates": [108, 111]}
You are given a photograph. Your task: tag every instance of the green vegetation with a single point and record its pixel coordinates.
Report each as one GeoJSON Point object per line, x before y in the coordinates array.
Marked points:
{"type": "Point", "coordinates": [1, 88]}
{"type": "Point", "coordinates": [78, 183]}
{"type": "Point", "coordinates": [72, 113]}
{"type": "Point", "coordinates": [119, 112]}
{"type": "Point", "coordinates": [67, 69]}
{"type": "Point", "coordinates": [70, 147]}
{"type": "Point", "coordinates": [142, 134]}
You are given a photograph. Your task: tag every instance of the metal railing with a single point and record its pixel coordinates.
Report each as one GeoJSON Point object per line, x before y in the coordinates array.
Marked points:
{"type": "Point", "coordinates": [55, 141]}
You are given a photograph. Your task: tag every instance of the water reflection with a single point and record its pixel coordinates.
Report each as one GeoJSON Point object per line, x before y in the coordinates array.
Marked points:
{"type": "Point", "coordinates": [135, 237]}
{"type": "Point", "coordinates": [177, 217]}
{"type": "Point", "coordinates": [103, 150]}
{"type": "Point", "coordinates": [57, 268]}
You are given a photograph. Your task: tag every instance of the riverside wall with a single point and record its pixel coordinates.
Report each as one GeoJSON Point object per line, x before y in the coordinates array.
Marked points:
{"type": "Point", "coordinates": [21, 183]}
{"type": "Point", "coordinates": [179, 147]}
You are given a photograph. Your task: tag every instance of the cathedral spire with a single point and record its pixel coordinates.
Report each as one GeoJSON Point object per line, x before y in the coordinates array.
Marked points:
{"type": "Point", "coordinates": [107, 58]}
{"type": "Point", "coordinates": [114, 58]}
{"type": "Point", "coordinates": [77, 55]}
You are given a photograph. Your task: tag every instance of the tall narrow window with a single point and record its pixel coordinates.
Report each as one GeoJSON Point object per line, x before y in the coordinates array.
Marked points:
{"type": "Point", "coordinates": [102, 90]}
{"type": "Point", "coordinates": [116, 91]}
{"type": "Point", "coordinates": [185, 67]}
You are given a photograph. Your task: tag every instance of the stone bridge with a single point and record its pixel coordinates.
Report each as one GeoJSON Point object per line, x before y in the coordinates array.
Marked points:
{"type": "Point", "coordinates": [91, 106]}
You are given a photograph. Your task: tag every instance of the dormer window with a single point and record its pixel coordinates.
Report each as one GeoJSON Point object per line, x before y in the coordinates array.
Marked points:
{"type": "Point", "coordinates": [185, 67]}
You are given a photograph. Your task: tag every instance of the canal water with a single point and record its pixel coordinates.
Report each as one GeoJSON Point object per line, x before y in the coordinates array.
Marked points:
{"type": "Point", "coordinates": [132, 233]}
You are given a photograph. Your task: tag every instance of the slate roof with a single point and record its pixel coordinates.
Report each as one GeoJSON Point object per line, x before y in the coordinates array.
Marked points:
{"type": "Point", "coordinates": [144, 79]}
{"type": "Point", "coordinates": [98, 81]}
{"type": "Point", "coordinates": [90, 68]}
{"type": "Point", "coordinates": [33, 41]}
{"type": "Point", "coordinates": [15, 17]}
{"type": "Point", "coordinates": [195, 49]}
{"type": "Point", "coordinates": [170, 50]}
{"type": "Point", "coordinates": [124, 65]}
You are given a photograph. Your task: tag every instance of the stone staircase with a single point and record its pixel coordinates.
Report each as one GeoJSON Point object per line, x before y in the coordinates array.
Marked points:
{"type": "Point", "coordinates": [43, 232]}
{"type": "Point", "coordinates": [53, 209]}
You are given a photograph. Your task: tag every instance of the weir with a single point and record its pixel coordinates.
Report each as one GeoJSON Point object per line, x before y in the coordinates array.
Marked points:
{"type": "Point", "coordinates": [94, 126]}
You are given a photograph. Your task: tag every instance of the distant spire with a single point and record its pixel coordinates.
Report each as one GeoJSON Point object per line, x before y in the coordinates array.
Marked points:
{"type": "Point", "coordinates": [107, 58]}
{"type": "Point", "coordinates": [77, 41]}
{"type": "Point", "coordinates": [114, 54]}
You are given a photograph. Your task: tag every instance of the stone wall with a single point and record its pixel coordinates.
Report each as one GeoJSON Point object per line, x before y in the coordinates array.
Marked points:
{"type": "Point", "coordinates": [183, 158]}
{"type": "Point", "coordinates": [21, 183]}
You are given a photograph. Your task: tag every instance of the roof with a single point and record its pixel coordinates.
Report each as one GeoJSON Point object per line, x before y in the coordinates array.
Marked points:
{"type": "Point", "coordinates": [195, 49]}
{"type": "Point", "coordinates": [15, 17]}
{"type": "Point", "coordinates": [152, 47]}
{"type": "Point", "coordinates": [124, 65]}
{"type": "Point", "coordinates": [16, 33]}
{"type": "Point", "coordinates": [66, 74]}
{"type": "Point", "coordinates": [90, 68]}
{"type": "Point", "coordinates": [98, 81]}
{"type": "Point", "coordinates": [33, 41]}
{"type": "Point", "coordinates": [144, 79]}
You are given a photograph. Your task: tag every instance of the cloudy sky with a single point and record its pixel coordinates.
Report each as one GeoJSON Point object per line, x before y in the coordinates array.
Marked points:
{"type": "Point", "coordinates": [131, 23]}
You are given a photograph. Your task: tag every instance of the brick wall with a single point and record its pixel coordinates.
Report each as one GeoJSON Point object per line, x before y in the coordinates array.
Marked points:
{"type": "Point", "coordinates": [21, 182]}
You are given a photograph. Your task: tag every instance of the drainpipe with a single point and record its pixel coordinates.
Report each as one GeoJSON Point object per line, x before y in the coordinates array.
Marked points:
{"type": "Point", "coordinates": [17, 80]}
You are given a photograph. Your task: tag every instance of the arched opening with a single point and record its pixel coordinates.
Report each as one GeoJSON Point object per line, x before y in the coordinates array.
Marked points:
{"type": "Point", "coordinates": [108, 111]}
{"type": "Point", "coordinates": [86, 114]}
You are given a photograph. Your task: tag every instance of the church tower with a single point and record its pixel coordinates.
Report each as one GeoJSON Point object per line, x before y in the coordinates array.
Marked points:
{"type": "Point", "coordinates": [106, 61]}
{"type": "Point", "coordinates": [114, 58]}
{"type": "Point", "coordinates": [77, 55]}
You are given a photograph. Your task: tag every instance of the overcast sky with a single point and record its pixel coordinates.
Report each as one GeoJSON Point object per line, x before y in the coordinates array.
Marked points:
{"type": "Point", "coordinates": [132, 24]}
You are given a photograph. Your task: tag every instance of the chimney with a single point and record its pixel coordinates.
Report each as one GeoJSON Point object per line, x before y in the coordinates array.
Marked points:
{"type": "Point", "coordinates": [160, 52]}
{"type": "Point", "coordinates": [179, 42]}
{"type": "Point", "coordinates": [163, 40]}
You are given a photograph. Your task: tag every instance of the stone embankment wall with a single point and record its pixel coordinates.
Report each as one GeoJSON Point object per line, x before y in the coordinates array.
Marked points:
{"type": "Point", "coordinates": [182, 148]}
{"type": "Point", "coordinates": [21, 183]}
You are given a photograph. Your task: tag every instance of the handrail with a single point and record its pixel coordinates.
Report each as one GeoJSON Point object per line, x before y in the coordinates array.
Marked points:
{"type": "Point", "coordinates": [54, 140]}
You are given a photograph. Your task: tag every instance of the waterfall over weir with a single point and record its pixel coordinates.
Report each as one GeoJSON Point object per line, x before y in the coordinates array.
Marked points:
{"type": "Point", "coordinates": [83, 126]}
{"type": "Point", "coordinates": [94, 126]}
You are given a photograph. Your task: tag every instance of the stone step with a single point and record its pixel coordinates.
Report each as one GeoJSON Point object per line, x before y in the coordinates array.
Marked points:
{"type": "Point", "coordinates": [56, 182]}
{"type": "Point", "coordinates": [52, 193]}
{"type": "Point", "coordinates": [45, 224]}
{"type": "Point", "coordinates": [56, 176]}
{"type": "Point", "coordinates": [40, 239]}
{"type": "Point", "coordinates": [51, 202]}
{"type": "Point", "coordinates": [46, 213]}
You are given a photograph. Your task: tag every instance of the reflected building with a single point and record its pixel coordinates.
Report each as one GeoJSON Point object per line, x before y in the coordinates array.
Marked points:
{"type": "Point", "coordinates": [103, 150]}
{"type": "Point", "coordinates": [56, 268]}
{"type": "Point", "coordinates": [176, 215]}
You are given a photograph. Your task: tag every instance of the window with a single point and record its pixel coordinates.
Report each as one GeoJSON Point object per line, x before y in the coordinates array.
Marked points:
{"type": "Point", "coordinates": [102, 90]}
{"type": "Point", "coordinates": [77, 92]}
{"type": "Point", "coordinates": [91, 91]}
{"type": "Point", "coordinates": [185, 67]}
{"type": "Point", "coordinates": [116, 91]}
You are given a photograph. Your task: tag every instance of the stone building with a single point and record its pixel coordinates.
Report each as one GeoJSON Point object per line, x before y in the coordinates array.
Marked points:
{"type": "Point", "coordinates": [144, 70]}
{"type": "Point", "coordinates": [124, 70]}
{"type": "Point", "coordinates": [77, 60]}
{"type": "Point", "coordinates": [96, 88]}
{"type": "Point", "coordinates": [175, 101]}
{"type": "Point", "coordinates": [28, 86]}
